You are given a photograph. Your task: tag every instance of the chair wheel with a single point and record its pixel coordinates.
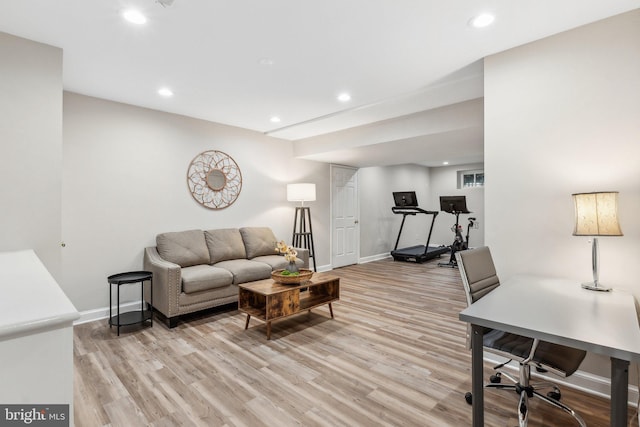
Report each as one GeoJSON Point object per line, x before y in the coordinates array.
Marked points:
{"type": "Point", "coordinates": [495, 379]}
{"type": "Point", "coordinates": [554, 395]}
{"type": "Point", "coordinates": [468, 397]}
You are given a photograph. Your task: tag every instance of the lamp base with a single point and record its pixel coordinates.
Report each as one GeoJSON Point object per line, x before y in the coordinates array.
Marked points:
{"type": "Point", "coordinates": [595, 287]}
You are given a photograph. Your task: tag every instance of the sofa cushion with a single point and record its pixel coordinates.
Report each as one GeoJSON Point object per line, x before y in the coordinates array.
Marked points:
{"type": "Point", "coordinates": [212, 298]}
{"type": "Point", "coordinates": [244, 270]}
{"type": "Point", "coordinates": [277, 262]}
{"type": "Point", "coordinates": [185, 248]}
{"type": "Point", "coordinates": [224, 244]}
{"type": "Point", "coordinates": [204, 277]}
{"type": "Point", "coordinates": [258, 241]}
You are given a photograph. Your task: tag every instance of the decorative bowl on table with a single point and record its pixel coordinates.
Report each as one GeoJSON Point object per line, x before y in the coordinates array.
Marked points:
{"type": "Point", "coordinates": [292, 278]}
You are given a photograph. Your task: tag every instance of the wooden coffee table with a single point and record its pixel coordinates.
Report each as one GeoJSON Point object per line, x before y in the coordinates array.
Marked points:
{"type": "Point", "coordinates": [268, 300]}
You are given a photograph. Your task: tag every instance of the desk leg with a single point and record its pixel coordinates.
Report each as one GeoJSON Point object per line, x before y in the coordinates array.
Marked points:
{"type": "Point", "coordinates": [619, 392]}
{"type": "Point", "coordinates": [477, 382]}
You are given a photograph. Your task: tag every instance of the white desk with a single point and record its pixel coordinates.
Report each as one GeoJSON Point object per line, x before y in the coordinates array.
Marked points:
{"type": "Point", "coordinates": [561, 312]}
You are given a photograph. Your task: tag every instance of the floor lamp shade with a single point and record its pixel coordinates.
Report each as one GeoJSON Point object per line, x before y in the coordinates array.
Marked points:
{"type": "Point", "coordinates": [596, 215]}
{"type": "Point", "coordinates": [303, 192]}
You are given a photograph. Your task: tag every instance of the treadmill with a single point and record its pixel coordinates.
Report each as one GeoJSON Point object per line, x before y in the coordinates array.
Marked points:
{"type": "Point", "coordinates": [406, 204]}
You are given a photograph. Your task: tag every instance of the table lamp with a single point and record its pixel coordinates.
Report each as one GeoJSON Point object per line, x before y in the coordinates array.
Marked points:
{"type": "Point", "coordinates": [302, 231]}
{"type": "Point", "coordinates": [596, 215]}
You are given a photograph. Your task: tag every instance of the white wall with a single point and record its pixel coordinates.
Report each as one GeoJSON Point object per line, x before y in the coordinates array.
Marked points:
{"type": "Point", "coordinates": [562, 116]}
{"type": "Point", "coordinates": [31, 148]}
{"type": "Point", "coordinates": [124, 181]}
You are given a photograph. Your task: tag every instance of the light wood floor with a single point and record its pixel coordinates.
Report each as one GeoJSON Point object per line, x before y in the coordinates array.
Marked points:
{"type": "Point", "coordinates": [394, 356]}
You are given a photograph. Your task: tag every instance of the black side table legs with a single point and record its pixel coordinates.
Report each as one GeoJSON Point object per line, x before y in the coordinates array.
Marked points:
{"type": "Point", "coordinates": [136, 316]}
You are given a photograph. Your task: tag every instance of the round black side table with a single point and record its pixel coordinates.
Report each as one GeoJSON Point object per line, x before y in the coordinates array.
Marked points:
{"type": "Point", "coordinates": [135, 316]}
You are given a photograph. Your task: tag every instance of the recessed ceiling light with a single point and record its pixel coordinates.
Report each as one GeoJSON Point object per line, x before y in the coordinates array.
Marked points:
{"type": "Point", "coordinates": [344, 97]}
{"type": "Point", "coordinates": [482, 20]}
{"type": "Point", "coordinates": [275, 119]}
{"type": "Point", "coordinates": [134, 16]}
{"type": "Point", "coordinates": [445, 163]}
{"type": "Point", "coordinates": [165, 91]}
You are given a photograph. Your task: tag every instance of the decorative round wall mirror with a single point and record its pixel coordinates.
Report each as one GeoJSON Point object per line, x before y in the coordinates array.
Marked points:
{"type": "Point", "coordinates": [214, 179]}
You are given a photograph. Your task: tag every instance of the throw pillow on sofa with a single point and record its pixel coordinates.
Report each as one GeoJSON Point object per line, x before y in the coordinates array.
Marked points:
{"type": "Point", "coordinates": [225, 244]}
{"type": "Point", "coordinates": [185, 248]}
{"type": "Point", "coordinates": [258, 241]}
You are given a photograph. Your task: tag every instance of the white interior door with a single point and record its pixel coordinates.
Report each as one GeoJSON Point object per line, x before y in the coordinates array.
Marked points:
{"type": "Point", "coordinates": [345, 234]}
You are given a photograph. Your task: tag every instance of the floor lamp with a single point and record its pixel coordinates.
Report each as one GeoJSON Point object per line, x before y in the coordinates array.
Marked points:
{"type": "Point", "coordinates": [302, 231]}
{"type": "Point", "coordinates": [596, 215]}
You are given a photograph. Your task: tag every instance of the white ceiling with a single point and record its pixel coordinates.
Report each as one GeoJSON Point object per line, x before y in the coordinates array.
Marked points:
{"type": "Point", "coordinates": [395, 57]}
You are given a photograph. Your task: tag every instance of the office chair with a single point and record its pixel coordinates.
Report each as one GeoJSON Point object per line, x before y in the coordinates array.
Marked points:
{"type": "Point", "coordinates": [479, 278]}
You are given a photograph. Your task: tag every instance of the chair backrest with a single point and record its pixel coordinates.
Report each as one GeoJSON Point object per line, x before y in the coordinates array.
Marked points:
{"type": "Point", "coordinates": [479, 276]}
{"type": "Point", "coordinates": [478, 273]}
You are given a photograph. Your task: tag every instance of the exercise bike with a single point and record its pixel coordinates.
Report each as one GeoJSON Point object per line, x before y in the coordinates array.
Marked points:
{"type": "Point", "coordinates": [456, 205]}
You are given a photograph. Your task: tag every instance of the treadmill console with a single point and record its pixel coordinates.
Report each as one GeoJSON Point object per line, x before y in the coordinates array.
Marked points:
{"type": "Point", "coordinates": [405, 199]}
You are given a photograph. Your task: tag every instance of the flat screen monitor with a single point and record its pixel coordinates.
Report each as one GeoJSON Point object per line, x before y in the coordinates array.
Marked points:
{"type": "Point", "coordinates": [404, 199]}
{"type": "Point", "coordinates": [454, 204]}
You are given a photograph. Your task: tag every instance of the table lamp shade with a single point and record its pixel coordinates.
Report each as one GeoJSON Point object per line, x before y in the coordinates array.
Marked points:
{"type": "Point", "coordinates": [596, 214]}
{"type": "Point", "coordinates": [301, 192]}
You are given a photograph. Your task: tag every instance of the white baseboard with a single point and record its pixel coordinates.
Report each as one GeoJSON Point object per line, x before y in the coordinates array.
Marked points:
{"type": "Point", "coordinates": [103, 313]}
{"type": "Point", "coordinates": [580, 380]}
{"type": "Point", "coordinates": [374, 258]}
{"type": "Point", "coordinates": [364, 260]}
{"type": "Point", "coordinates": [324, 268]}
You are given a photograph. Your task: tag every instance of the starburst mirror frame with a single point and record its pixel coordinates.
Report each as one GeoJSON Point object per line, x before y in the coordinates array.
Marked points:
{"type": "Point", "coordinates": [214, 179]}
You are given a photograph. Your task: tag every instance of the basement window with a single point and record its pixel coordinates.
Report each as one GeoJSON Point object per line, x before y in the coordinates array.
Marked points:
{"type": "Point", "coordinates": [471, 179]}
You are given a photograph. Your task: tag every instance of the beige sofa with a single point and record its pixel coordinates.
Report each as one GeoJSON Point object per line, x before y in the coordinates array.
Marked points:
{"type": "Point", "coordinates": [195, 270]}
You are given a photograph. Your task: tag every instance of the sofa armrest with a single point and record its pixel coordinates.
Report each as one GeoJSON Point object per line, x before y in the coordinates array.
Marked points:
{"type": "Point", "coordinates": [167, 282]}
{"type": "Point", "coordinates": [303, 255]}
